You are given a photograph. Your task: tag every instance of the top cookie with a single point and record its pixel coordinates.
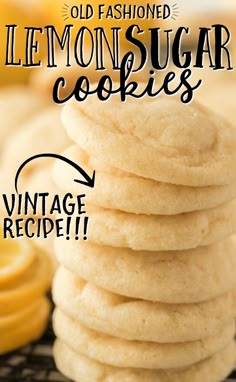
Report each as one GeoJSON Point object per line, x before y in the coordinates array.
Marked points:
{"type": "Point", "coordinates": [162, 139]}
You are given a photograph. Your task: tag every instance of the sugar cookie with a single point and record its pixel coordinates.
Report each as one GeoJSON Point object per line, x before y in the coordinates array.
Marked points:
{"type": "Point", "coordinates": [119, 190]}
{"type": "Point", "coordinates": [82, 369]}
{"type": "Point", "coordinates": [171, 277]}
{"type": "Point", "coordinates": [162, 139]}
{"type": "Point", "coordinates": [158, 232]}
{"type": "Point", "coordinates": [132, 319]}
{"type": "Point", "coordinates": [147, 355]}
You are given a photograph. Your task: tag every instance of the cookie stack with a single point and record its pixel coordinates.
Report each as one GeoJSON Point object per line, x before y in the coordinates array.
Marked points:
{"type": "Point", "coordinates": [150, 296]}
{"type": "Point", "coordinates": [25, 277]}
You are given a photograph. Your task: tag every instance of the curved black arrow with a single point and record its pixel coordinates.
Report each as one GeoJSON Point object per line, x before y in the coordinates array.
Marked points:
{"type": "Point", "coordinates": [89, 182]}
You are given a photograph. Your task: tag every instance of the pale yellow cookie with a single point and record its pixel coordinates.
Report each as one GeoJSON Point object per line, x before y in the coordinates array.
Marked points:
{"type": "Point", "coordinates": [29, 330]}
{"type": "Point", "coordinates": [82, 369]}
{"type": "Point", "coordinates": [140, 320]}
{"type": "Point", "coordinates": [159, 232]}
{"type": "Point", "coordinates": [170, 277]}
{"type": "Point", "coordinates": [147, 355]}
{"type": "Point", "coordinates": [123, 191]}
{"type": "Point", "coordinates": [162, 139]}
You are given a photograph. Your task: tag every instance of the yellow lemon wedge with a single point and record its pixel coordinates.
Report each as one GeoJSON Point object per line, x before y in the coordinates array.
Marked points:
{"type": "Point", "coordinates": [27, 330]}
{"type": "Point", "coordinates": [15, 258]}
{"type": "Point", "coordinates": [17, 319]}
{"type": "Point", "coordinates": [30, 286]}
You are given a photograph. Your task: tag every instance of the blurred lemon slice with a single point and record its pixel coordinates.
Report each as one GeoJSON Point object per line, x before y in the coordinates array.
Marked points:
{"type": "Point", "coordinates": [15, 258]}
{"type": "Point", "coordinates": [29, 330]}
{"type": "Point", "coordinates": [26, 289]}
{"type": "Point", "coordinates": [12, 321]}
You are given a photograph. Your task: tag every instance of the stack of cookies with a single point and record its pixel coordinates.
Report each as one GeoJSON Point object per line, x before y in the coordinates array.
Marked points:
{"type": "Point", "coordinates": [151, 295]}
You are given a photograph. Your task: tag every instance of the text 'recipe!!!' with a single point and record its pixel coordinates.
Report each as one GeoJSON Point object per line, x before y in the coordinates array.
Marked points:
{"type": "Point", "coordinates": [57, 215]}
{"type": "Point", "coordinates": [162, 48]}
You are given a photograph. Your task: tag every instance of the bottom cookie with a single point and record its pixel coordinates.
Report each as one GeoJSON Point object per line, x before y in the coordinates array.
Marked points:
{"type": "Point", "coordinates": [82, 369]}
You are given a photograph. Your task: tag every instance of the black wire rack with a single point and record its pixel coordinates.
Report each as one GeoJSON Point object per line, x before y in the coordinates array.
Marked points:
{"type": "Point", "coordinates": [35, 363]}
{"type": "Point", "coordinates": [32, 363]}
